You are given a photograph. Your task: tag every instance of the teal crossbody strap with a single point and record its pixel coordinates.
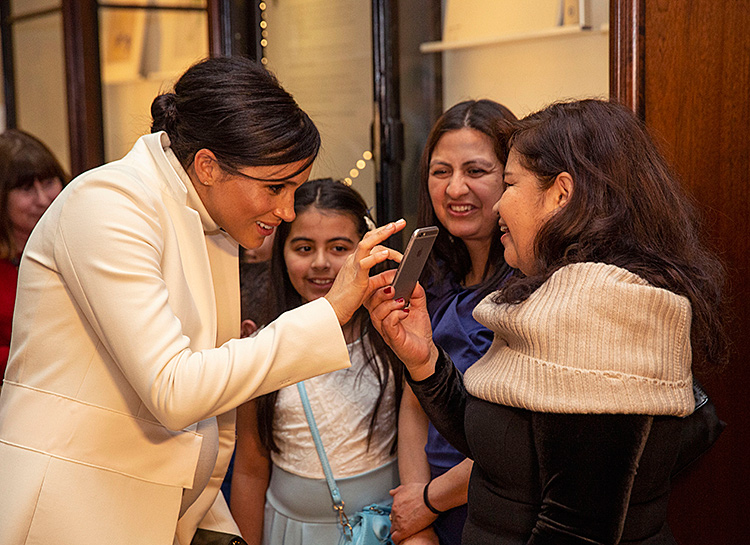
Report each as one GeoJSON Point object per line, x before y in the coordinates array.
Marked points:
{"type": "Point", "coordinates": [338, 503]}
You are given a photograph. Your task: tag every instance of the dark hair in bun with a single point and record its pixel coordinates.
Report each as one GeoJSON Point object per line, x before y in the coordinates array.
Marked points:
{"type": "Point", "coordinates": [164, 113]}
{"type": "Point", "coordinates": [238, 110]}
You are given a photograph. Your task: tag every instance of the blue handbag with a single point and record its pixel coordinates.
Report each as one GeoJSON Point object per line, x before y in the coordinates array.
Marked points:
{"type": "Point", "coordinates": [371, 525]}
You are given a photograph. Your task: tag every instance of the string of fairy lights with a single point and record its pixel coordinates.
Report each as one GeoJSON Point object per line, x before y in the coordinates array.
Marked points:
{"type": "Point", "coordinates": [263, 32]}
{"type": "Point", "coordinates": [362, 163]}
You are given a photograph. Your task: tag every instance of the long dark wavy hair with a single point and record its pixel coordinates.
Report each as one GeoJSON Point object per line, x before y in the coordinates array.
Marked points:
{"type": "Point", "coordinates": [330, 196]}
{"type": "Point", "coordinates": [237, 109]}
{"type": "Point", "coordinates": [449, 254]}
{"type": "Point", "coordinates": [627, 209]}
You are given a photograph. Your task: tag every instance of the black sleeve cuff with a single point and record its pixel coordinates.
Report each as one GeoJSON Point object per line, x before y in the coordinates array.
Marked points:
{"type": "Point", "coordinates": [443, 398]}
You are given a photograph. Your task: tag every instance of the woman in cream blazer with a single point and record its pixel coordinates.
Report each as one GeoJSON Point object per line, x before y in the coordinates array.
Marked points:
{"type": "Point", "coordinates": [117, 410]}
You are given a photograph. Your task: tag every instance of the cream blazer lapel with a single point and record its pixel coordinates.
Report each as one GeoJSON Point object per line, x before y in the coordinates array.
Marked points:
{"type": "Point", "coordinates": [221, 251]}
{"type": "Point", "coordinates": [188, 230]}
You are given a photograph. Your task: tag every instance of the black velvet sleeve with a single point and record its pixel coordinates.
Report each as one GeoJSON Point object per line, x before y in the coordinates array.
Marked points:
{"type": "Point", "coordinates": [700, 430]}
{"type": "Point", "coordinates": [587, 464]}
{"type": "Point", "coordinates": [443, 398]}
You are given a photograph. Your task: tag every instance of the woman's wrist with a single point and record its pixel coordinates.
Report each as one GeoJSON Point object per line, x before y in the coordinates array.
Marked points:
{"type": "Point", "coordinates": [341, 316]}
{"type": "Point", "coordinates": [426, 498]}
{"type": "Point", "coordinates": [423, 370]}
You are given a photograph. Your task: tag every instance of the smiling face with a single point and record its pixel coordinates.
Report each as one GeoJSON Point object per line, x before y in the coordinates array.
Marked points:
{"type": "Point", "coordinates": [246, 206]}
{"type": "Point", "coordinates": [524, 208]}
{"type": "Point", "coordinates": [319, 242]}
{"type": "Point", "coordinates": [27, 203]}
{"type": "Point", "coordinates": [465, 181]}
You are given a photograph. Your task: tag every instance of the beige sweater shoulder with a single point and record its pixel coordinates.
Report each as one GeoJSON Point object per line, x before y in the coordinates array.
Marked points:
{"type": "Point", "coordinates": [594, 338]}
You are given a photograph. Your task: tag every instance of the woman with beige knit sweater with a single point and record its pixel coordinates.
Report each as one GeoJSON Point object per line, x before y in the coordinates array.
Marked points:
{"type": "Point", "coordinates": [591, 368]}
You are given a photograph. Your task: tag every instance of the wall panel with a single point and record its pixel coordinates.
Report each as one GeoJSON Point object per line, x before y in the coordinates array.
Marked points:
{"type": "Point", "coordinates": [696, 77]}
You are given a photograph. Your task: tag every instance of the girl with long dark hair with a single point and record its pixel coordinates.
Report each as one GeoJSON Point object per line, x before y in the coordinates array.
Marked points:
{"type": "Point", "coordinates": [355, 409]}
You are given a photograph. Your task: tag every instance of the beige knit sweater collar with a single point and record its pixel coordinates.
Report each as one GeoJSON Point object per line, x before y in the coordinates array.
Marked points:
{"type": "Point", "coordinates": [594, 338]}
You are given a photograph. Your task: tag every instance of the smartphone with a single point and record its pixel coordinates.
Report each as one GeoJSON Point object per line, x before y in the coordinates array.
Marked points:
{"type": "Point", "coordinates": [415, 256]}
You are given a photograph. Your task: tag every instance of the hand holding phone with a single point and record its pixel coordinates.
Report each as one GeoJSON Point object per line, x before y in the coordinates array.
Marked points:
{"type": "Point", "coordinates": [415, 257]}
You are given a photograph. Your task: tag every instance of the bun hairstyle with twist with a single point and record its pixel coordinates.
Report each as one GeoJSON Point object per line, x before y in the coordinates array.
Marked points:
{"type": "Point", "coordinates": [237, 109]}
{"type": "Point", "coordinates": [164, 113]}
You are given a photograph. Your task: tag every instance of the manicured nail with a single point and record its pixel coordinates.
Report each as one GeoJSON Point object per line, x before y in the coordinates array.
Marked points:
{"type": "Point", "coordinates": [388, 290]}
{"type": "Point", "coordinates": [407, 310]}
{"type": "Point", "coordinates": [400, 300]}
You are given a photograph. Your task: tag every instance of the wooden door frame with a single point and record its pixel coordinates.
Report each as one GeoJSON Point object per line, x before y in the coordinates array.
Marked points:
{"type": "Point", "coordinates": [627, 54]}
{"type": "Point", "coordinates": [84, 85]}
{"type": "Point", "coordinates": [708, 148]}
{"type": "Point", "coordinates": [83, 75]}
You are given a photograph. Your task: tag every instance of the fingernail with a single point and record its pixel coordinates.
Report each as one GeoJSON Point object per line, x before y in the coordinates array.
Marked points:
{"type": "Point", "coordinates": [400, 300]}
{"type": "Point", "coordinates": [407, 310]}
{"type": "Point", "coordinates": [388, 290]}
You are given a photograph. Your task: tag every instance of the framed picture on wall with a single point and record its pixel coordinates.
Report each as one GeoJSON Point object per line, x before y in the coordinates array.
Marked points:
{"type": "Point", "coordinates": [574, 12]}
{"type": "Point", "coordinates": [121, 35]}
